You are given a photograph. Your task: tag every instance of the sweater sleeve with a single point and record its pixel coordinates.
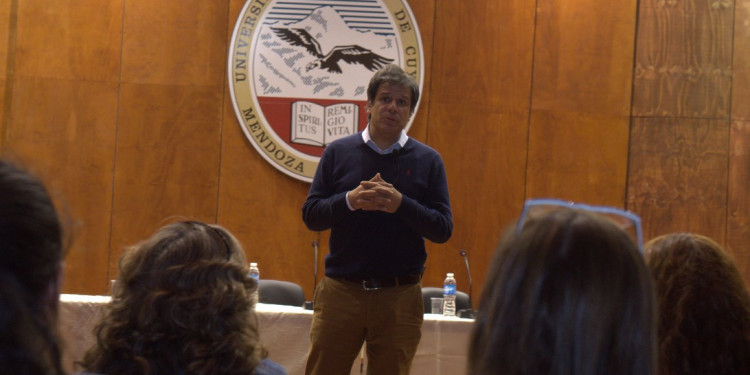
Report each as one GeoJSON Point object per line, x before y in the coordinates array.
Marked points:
{"type": "Point", "coordinates": [432, 218]}
{"type": "Point", "coordinates": [324, 206]}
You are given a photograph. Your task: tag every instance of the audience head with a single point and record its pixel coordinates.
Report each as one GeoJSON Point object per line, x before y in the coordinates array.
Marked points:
{"type": "Point", "coordinates": [704, 307]}
{"type": "Point", "coordinates": [182, 304]}
{"type": "Point", "coordinates": [567, 293]}
{"type": "Point", "coordinates": [31, 253]}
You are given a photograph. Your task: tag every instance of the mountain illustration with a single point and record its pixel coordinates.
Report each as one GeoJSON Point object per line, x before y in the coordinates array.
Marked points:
{"type": "Point", "coordinates": [319, 56]}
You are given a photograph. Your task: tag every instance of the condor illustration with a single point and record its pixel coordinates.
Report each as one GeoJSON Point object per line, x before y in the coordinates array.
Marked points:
{"type": "Point", "coordinates": [350, 54]}
{"type": "Point", "coordinates": [299, 72]}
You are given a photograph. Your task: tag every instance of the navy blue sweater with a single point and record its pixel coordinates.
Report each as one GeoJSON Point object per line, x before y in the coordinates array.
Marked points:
{"type": "Point", "coordinates": [374, 243]}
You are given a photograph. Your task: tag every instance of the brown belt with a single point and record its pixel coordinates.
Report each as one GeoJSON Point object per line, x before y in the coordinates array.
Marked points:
{"type": "Point", "coordinates": [373, 283]}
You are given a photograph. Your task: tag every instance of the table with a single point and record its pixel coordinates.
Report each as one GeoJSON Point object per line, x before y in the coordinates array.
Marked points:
{"type": "Point", "coordinates": [285, 332]}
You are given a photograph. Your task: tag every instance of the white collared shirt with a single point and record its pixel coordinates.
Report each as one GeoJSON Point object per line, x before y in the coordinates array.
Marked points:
{"type": "Point", "coordinates": [396, 146]}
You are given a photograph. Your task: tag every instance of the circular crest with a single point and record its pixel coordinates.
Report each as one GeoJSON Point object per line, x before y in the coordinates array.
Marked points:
{"type": "Point", "coordinates": [298, 72]}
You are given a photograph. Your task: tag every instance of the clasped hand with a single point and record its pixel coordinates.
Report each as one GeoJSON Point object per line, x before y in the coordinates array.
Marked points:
{"type": "Point", "coordinates": [375, 195]}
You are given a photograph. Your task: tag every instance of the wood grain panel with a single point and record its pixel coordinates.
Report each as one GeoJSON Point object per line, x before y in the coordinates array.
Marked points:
{"type": "Point", "coordinates": [66, 131]}
{"type": "Point", "coordinates": [478, 118]}
{"type": "Point", "coordinates": [70, 39]}
{"type": "Point", "coordinates": [175, 42]}
{"type": "Point", "coordinates": [181, 152]}
{"type": "Point", "coordinates": [583, 56]}
{"type": "Point", "coordinates": [484, 151]}
{"type": "Point", "coordinates": [741, 65]}
{"type": "Point", "coordinates": [167, 162]}
{"type": "Point", "coordinates": [738, 204]}
{"type": "Point", "coordinates": [8, 11]}
{"type": "Point", "coordinates": [678, 176]}
{"type": "Point", "coordinates": [5, 109]}
{"type": "Point", "coordinates": [482, 53]}
{"type": "Point", "coordinates": [8, 30]}
{"type": "Point", "coordinates": [683, 59]}
{"type": "Point", "coordinates": [578, 157]}
{"type": "Point", "coordinates": [263, 208]}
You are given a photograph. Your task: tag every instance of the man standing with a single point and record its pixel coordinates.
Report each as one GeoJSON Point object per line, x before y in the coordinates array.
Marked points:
{"type": "Point", "coordinates": [381, 193]}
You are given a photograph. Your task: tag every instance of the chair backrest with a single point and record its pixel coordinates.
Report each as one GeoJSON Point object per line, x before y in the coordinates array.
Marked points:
{"type": "Point", "coordinates": [462, 299]}
{"type": "Point", "coordinates": [278, 292]}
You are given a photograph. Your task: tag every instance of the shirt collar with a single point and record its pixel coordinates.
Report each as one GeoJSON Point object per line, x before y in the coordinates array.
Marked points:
{"type": "Point", "coordinates": [396, 146]}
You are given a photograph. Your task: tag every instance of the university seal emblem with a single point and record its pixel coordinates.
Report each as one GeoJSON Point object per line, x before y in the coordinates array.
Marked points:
{"type": "Point", "coordinates": [298, 72]}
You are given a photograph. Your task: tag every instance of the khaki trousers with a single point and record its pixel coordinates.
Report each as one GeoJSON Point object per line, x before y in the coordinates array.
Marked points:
{"type": "Point", "coordinates": [346, 315]}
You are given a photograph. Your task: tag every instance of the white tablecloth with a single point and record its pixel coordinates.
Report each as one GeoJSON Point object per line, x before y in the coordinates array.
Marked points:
{"type": "Point", "coordinates": [285, 332]}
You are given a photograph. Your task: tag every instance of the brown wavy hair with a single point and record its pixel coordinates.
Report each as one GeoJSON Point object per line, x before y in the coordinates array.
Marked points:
{"type": "Point", "coordinates": [704, 325]}
{"type": "Point", "coordinates": [183, 304]}
{"type": "Point", "coordinates": [568, 295]}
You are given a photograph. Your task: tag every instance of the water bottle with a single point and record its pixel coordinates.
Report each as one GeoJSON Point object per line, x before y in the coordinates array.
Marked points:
{"type": "Point", "coordinates": [449, 295]}
{"type": "Point", "coordinates": [254, 272]}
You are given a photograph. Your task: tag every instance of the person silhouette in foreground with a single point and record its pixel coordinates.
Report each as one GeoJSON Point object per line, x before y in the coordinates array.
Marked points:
{"type": "Point", "coordinates": [704, 307]}
{"type": "Point", "coordinates": [182, 304]}
{"type": "Point", "coordinates": [567, 293]}
{"type": "Point", "coordinates": [31, 256]}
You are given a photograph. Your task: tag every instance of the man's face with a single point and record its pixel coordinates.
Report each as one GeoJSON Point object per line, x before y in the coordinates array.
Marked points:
{"type": "Point", "coordinates": [390, 111]}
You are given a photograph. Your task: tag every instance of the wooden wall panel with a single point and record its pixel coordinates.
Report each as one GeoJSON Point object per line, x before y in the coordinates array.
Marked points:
{"type": "Point", "coordinates": [738, 204]}
{"type": "Point", "coordinates": [263, 208]}
{"type": "Point", "coordinates": [678, 176]}
{"type": "Point", "coordinates": [8, 30]}
{"type": "Point", "coordinates": [7, 42]}
{"type": "Point", "coordinates": [684, 56]}
{"type": "Point", "coordinates": [478, 116]}
{"type": "Point", "coordinates": [170, 117]}
{"type": "Point", "coordinates": [578, 157]}
{"type": "Point", "coordinates": [579, 102]}
{"type": "Point", "coordinates": [583, 56]}
{"type": "Point", "coordinates": [175, 42]}
{"type": "Point", "coordinates": [482, 53]}
{"type": "Point", "coordinates": [65, 61]}
{"type": "Point", "coordinates": [69, 39]}
{"type": "Point", "coordinates": [132, 123]}
{"type": "Point", "coordinates": [168, 151]}
{"type": "Point", "coordinates": [741, 66]}
{"type": "Point", "coordinates": [67, 136]}
{"type": "Point", "coordinates": [483, 151]}
{"type": "Point", "coordinates": [5, 103]}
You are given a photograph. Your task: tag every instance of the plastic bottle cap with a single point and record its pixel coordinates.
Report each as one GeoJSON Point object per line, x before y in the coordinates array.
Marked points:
{"type": "Point", "coordinates": [450, 274]}
{"type": "Point", "coordinates": [253, 264]}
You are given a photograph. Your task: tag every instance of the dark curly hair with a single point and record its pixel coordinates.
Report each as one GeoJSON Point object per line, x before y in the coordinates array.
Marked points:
{"type": "Point", "coordinates": [568, 295]}
{"type": "Point", "coordinates": [704, 325]}
{"type": "Point", "coordinates": [183, 304]}
{"type": "Point", "coordinates": [31, 253]}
